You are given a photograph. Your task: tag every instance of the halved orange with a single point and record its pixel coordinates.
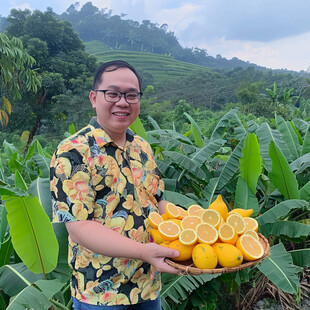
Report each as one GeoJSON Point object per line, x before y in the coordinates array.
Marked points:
{"type": "Point", "coordinates": [227, 234]}
{"type": "Point", "coordinates": [190, 221]}
{"type": "Point", "coordinates": [182, 213]}
{"type": "Point", "coordinates": [175, 221]}
{"type": "Point", "coordinates": [211, 216]}
{"type": "Point", "coordinates": [237, 222]}
{"type": "Point", "coordinates": [194, 210]}
{"type": "Point", "coordinates": [251, 232]}
{"type": "Point", "coordinates": [206, 233]}
{"type": "Point", "coordinates": [154, 219]}
{"type": "Point", "coordinates": [164, 216]}
{"type": "Point", "coordinates": [250, 247]}
{"type": "Point", "coordinates": [251, 223]}
{"type": "Point", "coordinates": [171, 210]}
{"type": "Point", "coordinates": [169, 230]}
{"type": "Point", "coordinates": [188, 236]}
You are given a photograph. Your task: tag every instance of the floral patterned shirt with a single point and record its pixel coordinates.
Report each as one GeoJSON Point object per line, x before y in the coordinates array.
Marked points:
{"type": "Point", "coordinates": [94, 179]}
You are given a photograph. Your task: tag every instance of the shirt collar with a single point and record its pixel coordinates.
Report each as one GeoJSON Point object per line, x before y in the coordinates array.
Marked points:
{"type": "Point", "coordinates": [102, 138]}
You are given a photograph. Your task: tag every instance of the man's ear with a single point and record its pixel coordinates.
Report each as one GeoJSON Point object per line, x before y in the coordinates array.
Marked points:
{"type": "Point", "coordinates": [93, 98]}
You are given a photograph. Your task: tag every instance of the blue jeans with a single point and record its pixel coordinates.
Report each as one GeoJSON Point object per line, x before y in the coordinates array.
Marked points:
{"type": "Point", "coordinates": [147, 305]}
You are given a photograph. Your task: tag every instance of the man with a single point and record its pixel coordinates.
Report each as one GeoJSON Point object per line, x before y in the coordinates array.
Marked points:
{"type": "Point", "coordinates": [104, 183]}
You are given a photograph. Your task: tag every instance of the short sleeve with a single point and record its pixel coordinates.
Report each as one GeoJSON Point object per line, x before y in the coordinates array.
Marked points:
{"type": "Point", "coordinates": [71, 188]}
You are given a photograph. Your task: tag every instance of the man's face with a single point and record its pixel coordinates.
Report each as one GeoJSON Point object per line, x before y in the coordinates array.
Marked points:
{"type": "Point", "coordinates": [116, 117]}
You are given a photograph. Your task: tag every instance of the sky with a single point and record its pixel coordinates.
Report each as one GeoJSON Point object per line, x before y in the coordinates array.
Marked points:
{"type": "Point", "coordinates": [270, 33]}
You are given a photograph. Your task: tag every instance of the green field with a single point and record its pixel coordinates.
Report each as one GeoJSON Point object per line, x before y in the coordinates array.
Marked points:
{"type": "Point", "coordinates": [160, 67]}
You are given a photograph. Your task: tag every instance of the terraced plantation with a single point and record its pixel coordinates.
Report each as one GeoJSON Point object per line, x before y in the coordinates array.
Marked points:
{"type": "Point", "coordinates": [159, 66]}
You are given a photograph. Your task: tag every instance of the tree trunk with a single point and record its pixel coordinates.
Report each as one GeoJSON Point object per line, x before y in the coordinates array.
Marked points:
{"type": "Point", "coordinates": [32, 133]}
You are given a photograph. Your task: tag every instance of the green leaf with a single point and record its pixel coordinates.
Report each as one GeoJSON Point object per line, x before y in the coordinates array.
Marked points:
{"type": "Point", "coordinates": [40, 188]}
{"type": "Point", "coordinates": [186, 163]}
{"type": "Point", "coordinates": [43, 163]}
{"type": "Point", "coordinates": [289, 136]}
{"type": "Point", "coordinates": [292, 231]}
{"type": "Point", "coordinates": [196, 132]}
{"type": "Point", "coordinates": [32, 234]}
{"type": "Point", "coordinates": [7, 104]}
{"type": "Point", "coordinates": [138, 128]}
{"type": "Point", "coordinates": [6, 251]}
{"type": "Point", "coordinates": [300, 164]}
{"type": "Point", "coordinates": [281, 210]}
{"type": "Point", "coordinates": [305, 192]}
{"type": "Point", "coordinates": [19, 181]}
{"type": "Point", "coordinates": [250, 162]}
{"type": "Point", "coordinates": [230, 168]}
{"type": "Point", "coordinates": [306, 144]}
{"type": "Point", "coordinates": [154, 123]}
{"type": "Point", "coordinates": [300, 141]}
{"type": "Point", "coordinates": [49, 287]}
{"type": "Point", "coordinates": [204, 154]}
{"type": "Point", "coordinates": [31, 298]}
{"type": "Point", "coordinates": [72, 130]}
{"type": "Point", "coordinates": [281, 175]}
{"type": "Point", "coordinates": [179, 199]}
{"type": "Point", "coordinates": [244, 197]}
{"type": "Point", "coordinates": [278, 268]}
{"type": "Point", "coordinates": [301, 257]}
{"type": "Point", "coordinates": [265, 135]}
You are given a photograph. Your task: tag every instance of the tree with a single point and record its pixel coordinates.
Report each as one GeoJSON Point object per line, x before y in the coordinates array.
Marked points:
{"type": "Point", "coordinates": [15, 71]}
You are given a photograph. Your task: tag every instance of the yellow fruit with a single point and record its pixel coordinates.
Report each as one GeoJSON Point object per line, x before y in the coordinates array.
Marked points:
{"type": "Point", "coordinates": [228, 255]}
{"type": "Point", "coordinates": [154, 219]}
{"type": "Point", "coordinates": [251, 232]}
{"type": "Point", "coordinates": [171, 210]}
{"type": "Point", "coordinates": [166, 243]}
{"type": "Point", "coordinates": [169, 230]}
{"type": "Point", "coordinates": [237, 222]}
{"type": "Point", "coordinates": [219, 205]}
{"type": "Point", "coordinates": [242, 212]}
{"type": "Point", "coordinates": [194, 210]}
{"type": "Point", "coordinates": [204, 256]}
{"type": "Point", "coordinates": [175, 221]}
{"type": "Point", "coordinates": [184, 250]}
{"type": "Point", "coordinates": [190, 221]}
{"type": "Point", "coordinates": [188, 236]}
{"type": "Point", "coordinates": [182, 213]}
{"type": "Point", "coordinates": [206, 233]}
{"type": "Point", "coordinates": [164, 216]}
{"type": "Point", "coordinates": [211, 217]}
{"type": "Point", "coordinates": [227, 234]}
{"type": "Point", "coordinates": [156, 236]}
{"type": "Point", "coordinates": [250, 247]}
{"type": "Point", "coordinates": [251, 223]}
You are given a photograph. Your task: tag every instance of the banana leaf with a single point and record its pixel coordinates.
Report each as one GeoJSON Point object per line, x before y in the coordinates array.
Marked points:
{"type": "Point", "coordinates": [265, 135]}
{"type": "Point", "coordinates": [230, 168]}
{"type": "Point", "coordinates": [175, 144]}
{"type": "Point", "coordinates": [204, 154]}
{"type": "Point", "coordinates": [43, 163]}
{"type": "Point", "coordinates": [8, 148]}
{"type": "Point", "coordinates": [300, 164]}
{"type": "Point", "coordinates": [250, 162]}
{"type": "Point", "coordinates": [178, 288]}
{"type": "Point", "coordinates": [178, 199]}
{"type": "Point", "coordinates": [281, 210]}
{"type": "Point", "coordinates": [278, 268]}
{"type": "Point", "coordinates": [153, 122]}
{"type": "Point", "coordinates": [224, 122]}
{"type": "Point", "coordinates": [301, 257]}
{"type": "Point", "coordinates": [157, 136]}
{"type": "Point", "coordinates": [32, 234]}
{"type": "Point", "coordinates": [281, 175]}
{"type": "Point", "coordinates": [29, 298]}
{"type": "Point", "coordinates": [300, 141]}
{"type": "Point", "coordinates": [138, 128]}
{"type": "Point", "coordinates": [167, 169]}
{"type": "Point", "coordinates": [301, 125]}
{"type": "Point", "coordinates": [30, 152]}
{"type": "Point", "coordinates": [306, 144]}
{"type": "Point", "coordinates": [40, 188]}
{"type": "Point", "coordinates": [244, 197]}
{"type": "Point", "coordinates": [186, 163]}
{"type": "Point", "coordinates": [289, 136]}
{"type": "Point", "coordinates": [292, 231]}
{"type": "Point", "coordinates": [305, 192]}
{"type": "Point", "coordinates": [252, 126]}
{"type": "Point", "coordinates": [196, 132]}
{"type": "Point", "coordinates": [19, 182]}
{"type": "Point", "coordinates": [6, 250]}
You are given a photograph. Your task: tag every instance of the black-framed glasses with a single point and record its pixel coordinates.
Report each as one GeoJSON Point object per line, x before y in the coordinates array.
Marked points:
{"type": "Point", "coordinates": [115, 95]}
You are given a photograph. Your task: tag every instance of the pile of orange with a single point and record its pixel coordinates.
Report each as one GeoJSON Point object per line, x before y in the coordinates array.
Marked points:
{"type": "Point", "coordinates": [210, 237]}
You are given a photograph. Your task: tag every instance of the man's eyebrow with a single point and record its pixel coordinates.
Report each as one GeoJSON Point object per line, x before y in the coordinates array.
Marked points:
{"type": "Point", "coordinates": [115, 87]}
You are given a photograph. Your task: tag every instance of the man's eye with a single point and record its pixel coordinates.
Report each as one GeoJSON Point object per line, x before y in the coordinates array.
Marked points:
{"type": "Point", "coordinates": [132, 96]}
{"type": "Point", "coordinates": [112, 94]}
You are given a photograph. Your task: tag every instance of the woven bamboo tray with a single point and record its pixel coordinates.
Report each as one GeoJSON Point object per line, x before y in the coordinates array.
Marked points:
{"type": "Point", "coordinates": [188, 267]}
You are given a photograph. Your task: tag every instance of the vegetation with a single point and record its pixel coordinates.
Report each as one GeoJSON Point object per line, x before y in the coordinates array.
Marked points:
{"type": "Point", "coordinates": [205, 126]}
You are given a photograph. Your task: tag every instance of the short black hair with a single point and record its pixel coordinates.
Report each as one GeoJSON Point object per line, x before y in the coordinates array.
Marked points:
{"type": "Point", "coordinates": [112, 66]}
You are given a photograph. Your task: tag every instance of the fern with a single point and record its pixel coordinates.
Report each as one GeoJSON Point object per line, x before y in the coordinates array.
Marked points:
{"type": "Point", "coordinates": [176, 288]}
